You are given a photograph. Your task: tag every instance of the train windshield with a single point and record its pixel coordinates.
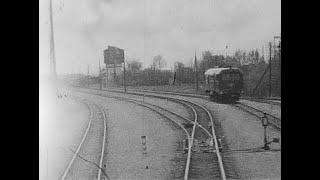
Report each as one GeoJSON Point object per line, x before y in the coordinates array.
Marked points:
{"type": "Point", "coordinates": [230, 77]}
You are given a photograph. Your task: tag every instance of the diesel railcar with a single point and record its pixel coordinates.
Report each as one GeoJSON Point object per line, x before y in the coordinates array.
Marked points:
{"type": "Point", "coordinates": [224, 84]}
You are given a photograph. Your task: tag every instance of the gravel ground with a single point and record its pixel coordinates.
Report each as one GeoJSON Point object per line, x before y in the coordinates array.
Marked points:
{"type": "Point", "coordinates": [90, 149]}
{"type": "Point", "coordinates": [242, 134]}
{"type": "Point", "coordinates": [61, 125]}
{"type": "Point", "coordinates": [164, 103]}
{"type": "Point", "coordinates": [124, 156]}
{"type": "Point", "coordinates": [266, 107]}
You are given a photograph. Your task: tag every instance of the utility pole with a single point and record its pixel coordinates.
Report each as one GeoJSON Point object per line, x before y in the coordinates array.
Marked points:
{"type": "Point", "coordinates": [124, 76]}
{"type": "Point", "coordinates": [88, 76]}
{"type": "Point", "coordinates": [275, 54]}
{"type": "Point", "coordinates": [196, 71]}
{"type": "Point", "coordinates": [274, 48]}
{"type": "Point", "coordinates": [114, 71]}
{"type": "Point", "coordinates": [226, 50]}
{"type": "Point", "coordinates": [107, 75]}
{"type": "Point", "coordinates": [270, 69]}
{"type": "Point", "coordinates": [280, 55]}
{"type": "Point", "coordinates": [100, 76]}
{"type": "Point", "coordinates": [52, 51]}
{"type": "Point", "coordinates": [262, 51]}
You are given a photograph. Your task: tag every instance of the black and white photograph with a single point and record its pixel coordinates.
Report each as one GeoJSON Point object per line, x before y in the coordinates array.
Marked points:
{"type": "Point", "coordinates": [160, 89]}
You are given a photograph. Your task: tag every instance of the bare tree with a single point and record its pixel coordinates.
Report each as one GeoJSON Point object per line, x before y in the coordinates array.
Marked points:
{"type": "Point", "coordinates": [159, 62]}
{"type": "Point", "coordinates": [134, 66]}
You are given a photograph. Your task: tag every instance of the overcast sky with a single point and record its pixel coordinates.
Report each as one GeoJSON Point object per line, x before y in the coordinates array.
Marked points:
{"type": "Point", "coordinates": [174, 29]}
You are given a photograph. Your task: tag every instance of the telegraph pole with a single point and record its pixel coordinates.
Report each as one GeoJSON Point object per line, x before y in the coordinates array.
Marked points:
{"type": "Point", "coordinates": [279, 55]}
{"type": "Point", "coordinates": [100, 76]}
{"type": "Point", "coordinates": [270, 69]}
{"type": "Point", "coordinates": [88, 76]}
{"type": "Point", "coordinates": [275, 54]}
{"type": "Point", "coordinates": [262, 51]}
{"type": "Point", "coordinates": [52, 51]}
{"type": "Point", "coordinates": [196, 71]}
{"type": "Point", "coordinates": [114, 71]}
{"type": "Point", "coordinates": [124, 75]}
{"type": "Point", "coordinates": [226, 50]}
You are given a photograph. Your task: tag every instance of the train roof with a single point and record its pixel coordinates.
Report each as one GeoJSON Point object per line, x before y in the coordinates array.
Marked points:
{"type": "Point", "coordinates": [215, 71]}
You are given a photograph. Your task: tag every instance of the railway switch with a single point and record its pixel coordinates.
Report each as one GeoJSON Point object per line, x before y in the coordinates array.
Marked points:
{"type": "Point", "coordinates": [187, 125]}
{"type": "Point", "coordinates": [196, 146]}
{"type": "Point", "coordinates": [209, 141]}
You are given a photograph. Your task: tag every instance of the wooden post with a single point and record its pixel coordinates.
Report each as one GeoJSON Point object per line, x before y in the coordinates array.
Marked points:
{"type": "Point", "coordinates": [124, 76]}
{"type": "Point", "coordinates": [100, 77]}
{"type": "Point", "coordinates": [196, 71]}
{"type": "Point", "coordinates": [270, 69]}
{"type": "Point", "coordinates": [52, 50]}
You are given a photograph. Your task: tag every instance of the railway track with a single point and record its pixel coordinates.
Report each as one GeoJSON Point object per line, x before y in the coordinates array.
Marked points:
{"type": "Point", "coordinates": [275, 121]}
{"type": "Point", "coordinates": [204, 160]}
{"type": "Point", "coordinates": [96, 129]}
{"type": "Point", "coordinates": [275, 101]}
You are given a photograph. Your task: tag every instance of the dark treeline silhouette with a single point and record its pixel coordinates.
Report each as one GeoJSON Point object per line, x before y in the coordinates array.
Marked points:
{"type": "Point", "coordinates": [253, 65]}
{"type": "Point", "coordinates": [146, 77]}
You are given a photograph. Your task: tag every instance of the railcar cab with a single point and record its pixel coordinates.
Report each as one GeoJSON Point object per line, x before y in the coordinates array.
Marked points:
{"type": "Point", "coordinates": [224, 84]}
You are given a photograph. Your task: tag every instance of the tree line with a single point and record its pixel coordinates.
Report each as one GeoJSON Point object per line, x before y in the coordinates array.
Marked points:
{"type": "Point", "coordinates": [255, 68]}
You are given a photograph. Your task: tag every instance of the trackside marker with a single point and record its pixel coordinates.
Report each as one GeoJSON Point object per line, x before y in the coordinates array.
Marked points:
{"type": "Point", "coordinates": [144, 144]}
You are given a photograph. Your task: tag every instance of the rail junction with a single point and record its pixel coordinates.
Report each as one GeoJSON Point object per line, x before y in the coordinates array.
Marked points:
{"type": "Point", "coordinates": [204, 160]}
{"type": "Point", "coordinates": [202, 156]}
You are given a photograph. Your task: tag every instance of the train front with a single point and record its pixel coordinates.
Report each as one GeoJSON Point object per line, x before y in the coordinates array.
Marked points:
{"type": "Point", "coordinates": [231, 83]}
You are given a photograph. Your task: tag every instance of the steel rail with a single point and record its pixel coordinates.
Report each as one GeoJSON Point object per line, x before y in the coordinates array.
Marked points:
{"type": "Point", "coordinates": [79, 146]}
{"type": "Point", "coordinates": [198, 96]}
{"type": "Point", "coordinates": [276, 124]}
{"type": "Point", "coordinates": [186, 119]}
{"type": "Point", "coordinates": [85, 136]}
{"type": "Point", "coordinates": [191, 143]}
{"type": "Point", "coordinates": [104, 141]}
{"type": "Point", "coordinates": [260, 111]}
{"type": "Point", "coordinates": [173, 99]}
{"type": "Point", "coordinates": [222, 171]}
{"type": "Point", "coordinates": [190, 139]}
{"type": "Point", "coordinates": [261, 100]}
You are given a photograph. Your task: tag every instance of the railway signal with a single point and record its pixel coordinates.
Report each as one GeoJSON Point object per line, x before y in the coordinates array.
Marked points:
{"type": "Point", "coordinates": [265, 123]}
{"type": "Point", "coordinates": [196, 71]}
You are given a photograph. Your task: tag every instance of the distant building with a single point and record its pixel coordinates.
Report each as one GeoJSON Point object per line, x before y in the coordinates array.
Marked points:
{"type": "Point", "coordinates": [112, 71]}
